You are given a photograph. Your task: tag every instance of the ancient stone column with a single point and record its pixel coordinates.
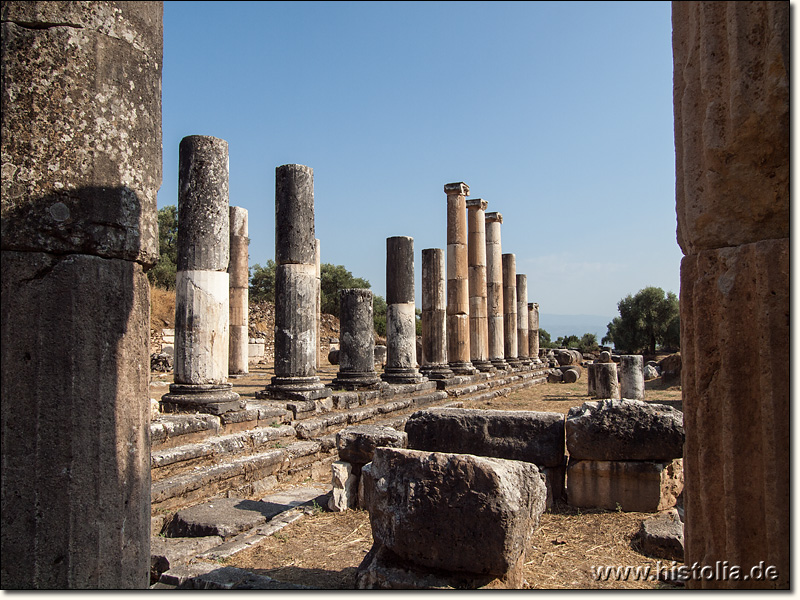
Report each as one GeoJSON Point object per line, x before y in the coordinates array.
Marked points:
{"type": "Point", "coordinates": [356, 341]}
{"type": "Point", "coordinates": [533, 331]}
{"type": "Point", "coordinates": [295, 288]}
{"type": "Point", "coordinates": [202, 284]}
{"type": "Point", "coordinates": [510, 309]}
{"type": "Point", "coordinates": [606, 381]}
{"type": "Point", "coordinates": [494, 291]}
{"type": "Point", "coordinates": [476, 253]}
{"type": "Point", "coordinates": [401, 318]}
{"type": "Point", "coordinates": [317, 257]}
{"type": "Point", "coordinates": [458, 345]}
{"type": "Point", "coordinates": [81, 164]}
{"type": "Point", "coordinates": [731, 100]}
{"type": "Point", "coordinates": [631, 376]}
{"type": "Point", "coordinates": [239, 272]}
{"type": "Point", "coordinates": [522, 319]}
{"type": "Point", "coordinates": [434, 314]}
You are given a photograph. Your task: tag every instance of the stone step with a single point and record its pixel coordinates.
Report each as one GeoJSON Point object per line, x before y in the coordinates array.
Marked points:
{"type": "Point", "coordinates": [170, 461]}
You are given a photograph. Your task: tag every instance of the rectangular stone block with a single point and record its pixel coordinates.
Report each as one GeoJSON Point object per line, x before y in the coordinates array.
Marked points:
{"type": "Point", "coordinates": [535, 437]}
{"type": "Point", "coordinates": [632, 486]}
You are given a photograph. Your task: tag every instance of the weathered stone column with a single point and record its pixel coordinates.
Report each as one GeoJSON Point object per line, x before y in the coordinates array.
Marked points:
{"type": "Point", "coordinates": [295, 288]}
{"type": "Point", "coordinates": [239, 272]}
{"type": "Point", "coordinates": [606, 381]}
{"type": "Point", "coordinates": [533, 332]}
{"type": "Point", "coordinates": [731, 97]}
{"type": "Point", "coordinates": [631, 376]}
{"type": "Point", "coordinates": [458, 345]}
{"type": "Point", "coordinates": [401, 318]}
{"type": "Point", "coordinates": [434, 314]}
{"type": "Point", "coordinates": [494, 291]}
{"type": "Point", "coordinates": [522, 319]}
{"type": "Point", "coordinates": [478, 315]}
{"type": "Point", "coordinates": [510, 309]}
{"type": "Point", "coordinates": [202, 283]}
{"type": "Point", "coordinates": [317, 258]}
{"type": "Point", "coordinates": [81, 166]}
{"type": "Point", "coordinates": [356, 341]}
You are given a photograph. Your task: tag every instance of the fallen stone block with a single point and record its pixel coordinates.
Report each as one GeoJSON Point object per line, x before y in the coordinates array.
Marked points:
{"type": "Point", "coordinates": [453, 512]}
{"type": "Point", "coordinates": [223, 517]}
{"type": "Point", "coordinates": [631, 486]}
{"type": "Point", "coordinates": [357, 444]}
{"type": "Point", "coordinates": [167, 553]}
{"type": "Point", "coordinates": [534, 437]}
{"type": "Point", "coordinates": [345, 487]}
{"type": "Point", "coordinates": [661, 536]}
{"type": "Point", "coordinates": [624, 430]}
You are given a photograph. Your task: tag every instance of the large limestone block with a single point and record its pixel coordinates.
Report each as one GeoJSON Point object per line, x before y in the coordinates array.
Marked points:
{"type": "Point", "coordinates": [632, 486]}
{"type": "Point", "coordinates": [535, 437]}
{"type": "Point", "coordinates": [81, 128]}
{"type": "Point", "coordinates": [624, 430]}
{"type": "Point", "coordinates": [453, 512]}
{"type": "Point", "coordinates": [731, 96]}
{"type": "Point", "coordinates": [357, 444]}
{"type": "Point", "coordinates": [735, 346]}
{"type": "Point", "coordinates": [661, 536]}
{"type": "Point", "coordinates": [345, 487]}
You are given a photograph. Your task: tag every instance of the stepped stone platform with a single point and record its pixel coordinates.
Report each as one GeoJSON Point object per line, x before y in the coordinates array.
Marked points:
{"type": "Point", "coordinates": [241, 456]}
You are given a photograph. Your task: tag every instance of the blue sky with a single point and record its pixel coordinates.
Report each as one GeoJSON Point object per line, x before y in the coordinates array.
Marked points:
{"type": "Point", "coordinates": [559, 114]}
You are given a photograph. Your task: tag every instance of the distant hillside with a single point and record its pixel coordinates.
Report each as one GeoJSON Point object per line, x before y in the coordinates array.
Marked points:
{"type": "Point", "coordinates": [561, 325]}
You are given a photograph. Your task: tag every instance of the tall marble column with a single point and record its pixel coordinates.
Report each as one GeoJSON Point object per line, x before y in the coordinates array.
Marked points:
{"type": "Point", "coordinates": [533, 332]}
{"type": "Point", "coordinates": [401, 318]}
{"type": "Point", "coordinates": [239, 272]}
{"type": "Point", "coordinates": [458, 345]}
{"type": "Point", "coordinates": [510, 309]}
{"type": "Point", "coordinates": [202, 309]}
{"type": "Point", "coordinates": [494, 291]}
{"type": "Point", "coordinates": [522, 319]}
{"type": "Point", "coordinates": [732, 144]}
{"type": "Point", "coordinates": [356, 342]}
{"type": "Point", "coordinates": [434, 313]}
{"type": "Point", "coordinates": [478, 315]}
{"type": "Point", "coordinates": [295, 288]}
{"type": "Point", "coordinates": [81, 167]}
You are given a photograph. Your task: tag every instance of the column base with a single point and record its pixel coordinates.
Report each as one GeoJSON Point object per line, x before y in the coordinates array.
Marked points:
{"type": "Point", "coordinates": [500, 364]}
{"type": "Point", "coordinates": [463, 368]}
{"type": "Point", "coordinates": [355, 381]}
{"type": "Point", "coordinates": [514, 362]}
{"type": "Point", "coordinates": [437, 372]}
{"type": "Point", "coordinates": [295, 388]}
{"type": "Point", "coordinates": [214, 399]}
{"type": "Point", "coordinates": [395, 375]}
{"type": "Point", "coordinates": [484, 366]}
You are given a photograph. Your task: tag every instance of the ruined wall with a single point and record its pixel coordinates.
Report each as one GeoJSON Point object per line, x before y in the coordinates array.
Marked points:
{"type": "Point", "coordinates": [731, 98]}
{"type": "Point", "coordinates": [81, 166]}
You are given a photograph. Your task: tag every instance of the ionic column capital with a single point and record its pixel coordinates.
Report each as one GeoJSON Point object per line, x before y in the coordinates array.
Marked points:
{"type": "Point", "coordinates": [456, 189]}
{"type": "Point", "coordinates": [494, 217]}
{"type": "Point", "coordinates": [479, 203]}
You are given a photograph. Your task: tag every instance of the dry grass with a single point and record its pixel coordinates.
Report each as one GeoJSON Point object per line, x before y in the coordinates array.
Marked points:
{"type": "Point", "coordinates": [324, 550]}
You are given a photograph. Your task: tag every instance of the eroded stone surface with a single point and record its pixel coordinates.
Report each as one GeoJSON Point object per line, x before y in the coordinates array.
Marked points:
{"type": "Point", "coordinates": [356, 444]}
{"type": "Point", "coordinates": [536, 437]}
{"type": "Point", "coordinates": [491, 506]}
{"type": "Point", "coordinates": [624, 430]}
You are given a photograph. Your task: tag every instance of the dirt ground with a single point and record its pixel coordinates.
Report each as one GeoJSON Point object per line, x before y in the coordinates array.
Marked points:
{"type": "Point", "coordinates": [324, 550]}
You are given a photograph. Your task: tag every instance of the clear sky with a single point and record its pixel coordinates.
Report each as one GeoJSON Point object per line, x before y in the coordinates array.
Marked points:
{"type": "Point", "coordinates": [559, 114]}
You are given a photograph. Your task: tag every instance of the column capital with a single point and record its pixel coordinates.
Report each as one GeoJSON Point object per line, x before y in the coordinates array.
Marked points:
{"type": "Point", "coordinates": [456, 189]}
{"type": "Point", "coordinates": [494, 217]}
{"type": "Point", "coordinates": [477, 203]}
{"type": "Point", "coordinates": [533, 306]}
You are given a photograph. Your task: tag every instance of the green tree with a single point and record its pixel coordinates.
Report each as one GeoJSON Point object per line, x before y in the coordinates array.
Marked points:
{"type": "Point", "coordinates": [262, 282]}
{"type": "Point", "coordinates": [568, 341]}
{"type": "Point", "coordinates": [333, 279]}
{"type": "Point", "coordinates": [588, 343]}
{"type": "Point", "coordinates": [379, 315]}
{"type": "Point", "coordinates": [163, 273]}
{"type": "Point", "coordinates": [544, 339]}
{"type": "Point", "coordinates": [646, 320]}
